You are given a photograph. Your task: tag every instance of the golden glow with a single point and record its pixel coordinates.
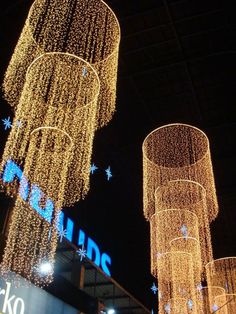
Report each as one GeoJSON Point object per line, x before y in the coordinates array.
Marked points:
{"type": "Point", "coordinates": [174, 152]}
{"type": "Point", "coordinates": [56, 94]}
{"type": "Point", "coordinates": [166, 235]}
{"type": "Point", "coordinates": [222, 272]}
{"type": "Point", "coordinates": [228, 304]}
{"type": "Point", "coordinates": [31, 239]}
{"type": "Point", "coordinates": [175, 275]}
{"type": "Point", "coordinates": [61, 80]}
{"type": "Point", "coordinates": [191, 196]}
{"type": "Point", "coordinates": [88, 29]}
{"type": "Point", "coordinates": [180, 306]}
{"type": "Point", "coordinates": [210, 297]}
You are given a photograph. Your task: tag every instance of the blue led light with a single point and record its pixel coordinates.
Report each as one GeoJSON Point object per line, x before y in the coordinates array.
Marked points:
{"type": "Point", "coordinates": [7, 123]}
{"type": "Point", "coordinates": [81, 253]}
{"type": "Point", "coordinates": [105, 259]}
{"type": "Point", "coordinates": [190, 304]}
{"type": "Point", "coordinates": [12, 171]}
{"type": "Point", "coordinates": [184, 231]}
{"type": "Point", "coordinates": [81, 238]}
{"type": "Point", "coordinates": [93, 168]}
{"type": "Point", "coordinates": [154, 288]}
{"type": "Point", "coordinates": [108, 173]}
{"type": "Point", "coordinates": [92, 249]}
{"type": "Point", "coordinates": [167, 308]}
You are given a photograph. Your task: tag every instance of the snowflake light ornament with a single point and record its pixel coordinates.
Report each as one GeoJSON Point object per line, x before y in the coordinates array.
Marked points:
{"type": "Point", "coordinates": [7, 123]}
{"type": "Point", "coordinates": [93, 168]}
{"type": "Point", "coordinates": [154, 288]}
{"type": "Point", "coordinates": [62, 234]}
{"type": "Point", "coordinates": [108, 173]}
{"type": "Point", "coordinates": [82, 253]}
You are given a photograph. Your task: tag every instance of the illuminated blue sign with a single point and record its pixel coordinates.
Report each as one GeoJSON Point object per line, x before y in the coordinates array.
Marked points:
{"type": "Point", "coordinates": [11, 172]}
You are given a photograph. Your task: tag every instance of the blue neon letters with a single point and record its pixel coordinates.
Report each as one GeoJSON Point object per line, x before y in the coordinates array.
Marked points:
{"type": "Point", "coordinates": [11, 172]}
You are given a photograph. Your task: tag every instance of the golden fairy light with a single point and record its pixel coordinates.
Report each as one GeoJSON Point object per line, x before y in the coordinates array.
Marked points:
{"type": "Point", "coordinates": [175, 230]}
{"type": "Point", "coordinates": [191, 196]}
{"type": "Point", "coordinates": [32, 236]}
{"type": "Point", "coordinates": [58, 93]}
{"type": "Point", "coordinates": [230, 303]}
{"type": "Point", "coordinates": [222, 272]}
{"type": "Point", "coordinates": [192, 246]}
{"type": "Point", "coordinates": [181, 306]}
{"type": "Point", "coordinates": [212, 299]}
{"type": "Point", "coordinates": [173, 152]}
{"type": "Point", "coordinates": [88, 29]}
{"type": "Point", "coordinates": [175, 275]}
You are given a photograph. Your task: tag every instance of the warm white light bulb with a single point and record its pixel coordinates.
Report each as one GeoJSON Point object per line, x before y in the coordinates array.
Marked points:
{"type": "Point", "coordinates": [45, 268]}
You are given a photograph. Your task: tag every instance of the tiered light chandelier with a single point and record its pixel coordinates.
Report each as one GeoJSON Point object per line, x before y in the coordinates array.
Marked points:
{"type": "Point", "coordinates": [61, 81]}
{"type": "Point", "coordinates": [180, 202]}
{"type": "Point", "coordinates": [87, 29]}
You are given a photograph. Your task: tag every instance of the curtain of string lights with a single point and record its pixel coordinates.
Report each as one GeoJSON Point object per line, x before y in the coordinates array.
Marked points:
{"type": "Point", "coordinates": [222, 272]}
{"type": "Point", "coordinates": [175, 273]}
{"type": "Point", "coordinates": [32, 240]}
{"type": "Point", "coordinates": [174, 152]}
{"type": "Point", "coordinates": [210, 297]}
{"type": "Point", "coordinates": [88, 29]}
{"type": "Point", "coordinates": [57, 94]}
{"type": "Point", "coordinates": [61, 81]}
{"type": "Point", "coordinates": [180, 201]}
{"type": "Point", "coordinates": [191, 196]}
{"type": "Point", "coordinates": [175, 230]}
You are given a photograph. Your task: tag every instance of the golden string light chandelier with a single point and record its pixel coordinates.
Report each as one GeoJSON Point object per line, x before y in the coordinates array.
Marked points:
{"type": "Point", "coordinates": [61, 80]}
{"type": "Point", "coordinates": [174, 152]}
{"type": "Point", "coordinates": [222, 272]}
{"type": "Point", "coordinates": [190, 196]}
{"type": "Point", "coordinates": [175, 275]}
{"type": "Point", "coordinates": [58, 94]}
{"type": "Point", "coordinates": [212, 299]}
{"type": "Point", "coordinates": [88, 29]}
{"type": "Point", "coordinates": [175, 230]}
{"type": "Point", "coordinates": [32, 236]}
{"type": "Point", "coordinates": [181, 306]}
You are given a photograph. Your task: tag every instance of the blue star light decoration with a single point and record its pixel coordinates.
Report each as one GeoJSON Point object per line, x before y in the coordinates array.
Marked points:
{"type": "Point", "coordinates": [18, 123]}
{"type": "Point", "coordinates": [7, 123]}
{"type": "Point", "coordinates": [84, 72]}
{"type": "Point", "coordinates": [93, 168]}
{"type": "Point", "coordinates": [199, 287]}
{"type": "Point", "coordinates": [50, 234]}
{"type": "Point", "coordinates": [108, 173]}
{"type": "Point", "coordinates": [62, 234]}
{"type": "Point", "coordinates": [81, 253]}
{"type": "Point", "coordinates": [215, 307]}
{"type": "Point", "coordinates": [190, 304]}
{"type": "Point", "coordinates": [167, 308]}
{"type": "Point", "coordinates": [184, 231]}
{"type": "Point", "coordinates": [159, 255]}
{"type": "Point", "coordinates": [154, 288]}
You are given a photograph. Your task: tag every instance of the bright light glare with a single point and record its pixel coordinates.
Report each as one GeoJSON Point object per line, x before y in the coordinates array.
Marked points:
{"type": "Point", "coordinates": [45, 268]}
{"type": "Point", "coordinates": [111, 311]}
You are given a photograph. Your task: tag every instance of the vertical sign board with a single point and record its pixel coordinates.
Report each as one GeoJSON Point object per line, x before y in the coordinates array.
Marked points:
{"type": "Point", "coordinates": [29, 300]}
